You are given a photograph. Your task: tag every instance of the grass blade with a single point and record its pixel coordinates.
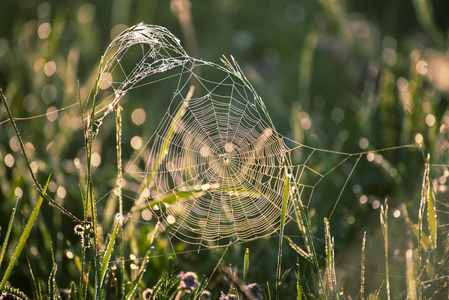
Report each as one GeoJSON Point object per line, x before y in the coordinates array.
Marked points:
{"type": "Point", "coordinates": [245, 265]}
{"type": "Point", "coordinates": [8, 231]}
{"type": "Point", "coordinates": [205, 282]}
{"type": "Point", "coordinates": [330, 261]}
{"type": "Point", "coordinates": [431, 211]}
{"type": "Point", "coordinates": [142, 271]}
{"type": "Point", "coordinates": [298, 249]}
{"type": "Point", "coordinates": [281, 236]}
{"type": "Point", "coordinates": [298, 283]}
{"type": "Point", "coordinates": [362, 267]}
{"type": "Point", "coordinates": [384, 224]}
{"type": "Point", "coordinates": [118, 137]}
{"type": "Point", "coordinates": [107, 257]}
{"type": "Point", "coordinates": [179, 114]}
{"type": "Point", "coordinates": [24, 236]}
{"type": "Point", "coordinates": [410, 274]}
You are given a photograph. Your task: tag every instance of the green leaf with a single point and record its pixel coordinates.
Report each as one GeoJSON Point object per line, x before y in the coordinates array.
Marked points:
{"type": "Point", "coordinates": [106, 258]}
{"type": "Point", "coordinates": [143, 267]}
{"type": "Point", "coordinates": [205, 281]}
{"type": "Point", "coordinates": [24, 236]}
{"type": "Point", "coordinates": [245, 265]}
{"type": "Point", "coordinates": [8, 231]}
{"type": "Point", "coordinates": [284, 276]}
{"type": "Point", "coordinates": [298, 249]}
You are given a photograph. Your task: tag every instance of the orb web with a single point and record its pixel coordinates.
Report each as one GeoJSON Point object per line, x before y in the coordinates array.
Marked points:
{"type": "Point", "coordinates": [215, 167]}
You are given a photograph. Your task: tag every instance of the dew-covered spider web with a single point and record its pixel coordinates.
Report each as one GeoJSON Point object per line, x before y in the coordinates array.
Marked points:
{"type": "Point", "coordinates": [214, 171]}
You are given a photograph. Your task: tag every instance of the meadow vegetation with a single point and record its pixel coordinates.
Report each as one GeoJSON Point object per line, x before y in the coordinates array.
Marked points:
{"type": "Point", "coordinates": [363, 85]}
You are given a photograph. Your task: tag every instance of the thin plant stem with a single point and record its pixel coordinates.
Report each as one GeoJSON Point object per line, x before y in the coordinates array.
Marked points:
{"type": "Point", "coordinates": [89, 137]}
{"type": "Point", "coordinates": [362, 268]}
{"type": "Point", "coordinates": [118, 125]}
{"type": "Point", "coordinates": [281, 236]}
{"type": "Point", "coordinates": [384, 224]}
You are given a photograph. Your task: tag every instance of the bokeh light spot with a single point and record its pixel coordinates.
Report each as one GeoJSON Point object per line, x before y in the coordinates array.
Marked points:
{"type": "Point", "coordinates": [304, 120]}
{"type": "Point", "coordinates": [44, 31]}
{"type": "Point", "coordinates": [337, 115]}
{"type": "Point", "coordinates": [50, 68]}
{"type": "Point", "coordinates": [363, 143]}
{"type": "Point", "coordinates": [49, 93]}
{"type": "Point", "coordinates": [86, 13]}
{"type": "Point", "coordinates": [14, 144]}
{"type": "Point", "coordinates": [419, 138]}
{"type": "Point", "coordinates": [389, 56]}
{"type": "Point", "coordinates": [402, 84]}
{"type": "Point", "coordinates": [136, 142]}
{"type": "Point", "coordinates": [34, 166]}
{"type": "Point", "coordinates": [77, 163]}
{"type": "Point", "coordinates": [422, 67]}
{"type": "Point", "coordinates": [351, 220]}
{"type": "Point", "coordinates": [430, 120]}
{"type": "Point", "coordinates": [9, 160]}
{"type": "Point", "coordinates": [117, 29]}
{"type": "Point", "coordinates": [146, 215]}
{"type": "Point", "coordinates": [171, 219]}
{"type": "Point", "coordinates": [18, 192]}
{"type": "Point", "coordinates": [96, 159]}
{"type": "Point", "coordinates": [52, 186]}
{"type": "Point", "coordinates": [52, 113]}
{"type": "Point", "coordinates": [61, 192]}
{"type": "Point", "coordinates": [43, 10]}
{"type": "Point", "coordinates": [363, 199]}
{"type": "Point", "coordinates": [138, 116]}
{"type": "Point", "coordinates": [397, 213]}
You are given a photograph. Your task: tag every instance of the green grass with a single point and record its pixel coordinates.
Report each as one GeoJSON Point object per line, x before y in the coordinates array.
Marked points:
{"type": "Point", "coordinates": [364, 62]}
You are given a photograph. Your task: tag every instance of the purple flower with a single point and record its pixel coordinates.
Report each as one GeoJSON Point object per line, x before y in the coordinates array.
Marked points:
{"type": "Point", "coordinates": [254, 289]}
{"type": "Point", "coordinates": [227, 297]}
{"type": "Point", "coordinates": [188, 281]}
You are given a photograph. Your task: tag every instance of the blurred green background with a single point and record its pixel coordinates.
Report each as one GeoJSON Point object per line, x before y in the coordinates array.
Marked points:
{"type": "Point", "coordinates": [345, 76]}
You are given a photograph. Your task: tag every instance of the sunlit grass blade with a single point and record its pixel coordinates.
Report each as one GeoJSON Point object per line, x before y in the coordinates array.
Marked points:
{"type": "Point", "coordinates": [431, 211]}
{"type": "Point", "coordinates": [36, 285]}
{"type": "Point", "coordinates": [410, 274]}
{"type": "Point", "coordinates": [205, 281]}
{"type": "Point", "coordinates": [8, 232]}
{"type": "Point", "coordinates": [135, 284]}
{"type": "Point", "coordinates": [53, 292]}
{"type": "Point", "coordinates": [330, 262]}
{"type": "Point", "coordinates": [245, 265]}
{"type": "Point", "coordinates": [384, 225]}
{"type": "Point", "coordinates": [298, 284]}
{"type": "Point", "coordinates": [362, 268]}
{"type": "Point", "coordinates": [24, 236]}
{"type": "Point", "coordinates": [179, 114]}
{"type": "Point", "coordinates": [118, 126]}
{"type": "Point", "coordinates": [281, 235]}
{"type": "Point", "coordinates": [298, 249]}
{"type": "Point", "coordinates": [73, 291]}
{"type": "Point", "coordinates": [107, 257]}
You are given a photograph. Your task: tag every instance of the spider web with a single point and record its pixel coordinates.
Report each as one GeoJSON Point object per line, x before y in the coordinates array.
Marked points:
{"type": "Point", "coordinates": [216, 167]}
